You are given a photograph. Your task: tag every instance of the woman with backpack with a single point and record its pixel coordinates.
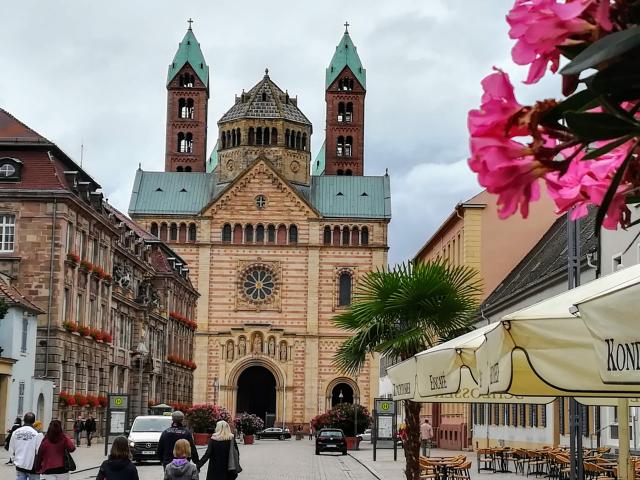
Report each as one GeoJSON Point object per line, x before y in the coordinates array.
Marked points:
{"type": "Point", "coordinates": [53, 455]}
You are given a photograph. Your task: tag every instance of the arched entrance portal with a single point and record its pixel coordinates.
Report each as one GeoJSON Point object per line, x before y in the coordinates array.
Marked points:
{"type": "Point", "coordinates": [341, 393]}
{"type": "Point", "coordinates": [257, 392]}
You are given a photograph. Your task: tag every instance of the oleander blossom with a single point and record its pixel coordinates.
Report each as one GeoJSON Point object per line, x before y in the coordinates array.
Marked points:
{"type": "Point", "coordinates": [586, 182]}
{"type": "Point", "coordinates": [540, 26]}
{"type": "Point", "coordinates": [505, 167]}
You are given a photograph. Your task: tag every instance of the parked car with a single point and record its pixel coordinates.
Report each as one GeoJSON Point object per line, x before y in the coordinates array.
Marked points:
{"type": "Point", "coordinates": [331, 439]}
{"type": "Point", "coordinates": [366, 436]}
{"type": "Point", "coordinates": [145, 435]}
{"type": "Point", "coordinates": [274, 432]}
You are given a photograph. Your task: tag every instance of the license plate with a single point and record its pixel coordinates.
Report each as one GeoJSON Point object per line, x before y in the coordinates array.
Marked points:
{"type": "Point", "coordinates": [331, 446]}
{"type": "Point", "coordinates": [148, 452]}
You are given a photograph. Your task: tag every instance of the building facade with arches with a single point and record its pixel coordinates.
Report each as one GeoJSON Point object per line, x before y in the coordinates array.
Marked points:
{"type": "Point", "coordinates": [274, 251]}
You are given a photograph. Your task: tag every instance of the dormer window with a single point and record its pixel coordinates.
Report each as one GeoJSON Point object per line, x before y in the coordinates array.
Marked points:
{"type": "Point", "coordinates": [10, 169]}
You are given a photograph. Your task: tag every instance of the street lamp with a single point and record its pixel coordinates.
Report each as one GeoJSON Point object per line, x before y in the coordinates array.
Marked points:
{"type": "Point", "coordinates": [356, 404]}
{"type": "Point", "coordinates": [340, 397]}
{"type": "Point", "coordinates": [142, 352]}
{"type": "Point", "coordinates": [216, 390]}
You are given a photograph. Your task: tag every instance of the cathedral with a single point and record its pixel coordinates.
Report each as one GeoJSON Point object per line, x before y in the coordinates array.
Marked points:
{"type": "Point", "coordinates": [276, 242]}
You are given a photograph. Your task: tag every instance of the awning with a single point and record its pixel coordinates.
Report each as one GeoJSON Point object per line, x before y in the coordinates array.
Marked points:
{"type": "Point", "coordinates": [548, 349]}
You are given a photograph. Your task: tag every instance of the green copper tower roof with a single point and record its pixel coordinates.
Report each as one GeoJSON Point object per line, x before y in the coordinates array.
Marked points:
{"type": "Point", "coordinates": [318, 165]}
{"type": "Point", "coordinates": [346, 56]}
{"type": "Point", "coordinates": [189, 52]}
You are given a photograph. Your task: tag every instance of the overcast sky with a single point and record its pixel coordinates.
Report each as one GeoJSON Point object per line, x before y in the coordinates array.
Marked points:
{"type": "Point", "coordinates": [95, 72]}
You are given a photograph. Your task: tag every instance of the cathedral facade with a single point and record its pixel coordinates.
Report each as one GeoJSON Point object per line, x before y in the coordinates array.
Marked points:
{"type": "Point", "coordinates": [276, 242]}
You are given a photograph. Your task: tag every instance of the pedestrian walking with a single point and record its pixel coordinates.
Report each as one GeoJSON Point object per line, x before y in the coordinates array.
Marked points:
{"type": "Point", "coordinates": [180, 467]}
{"type": "Point", "coordinates": [171, 435]}
{"type": "Point", "coordinates": [53, 453]}
{"type": "Point", "coordinates": [426, 433]}
{"type": "Point", "coordinates": [119, 465]}
{"type": "Point", "coordinates": [78, 427]}
{"type": "Point", "coordinates": [16, 425]}
{"type": "Point", "coordinates": [23, 446]}
{"type": "Point", "coordinates": [223, 454]}
{"type": "Point", "coordinates": [90, 427]}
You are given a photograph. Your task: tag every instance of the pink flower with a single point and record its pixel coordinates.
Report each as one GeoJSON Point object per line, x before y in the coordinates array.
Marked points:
{"type": "Point", "coordinates": [540, 26]}
{"type": "Point", "coordinates": [586, 182]}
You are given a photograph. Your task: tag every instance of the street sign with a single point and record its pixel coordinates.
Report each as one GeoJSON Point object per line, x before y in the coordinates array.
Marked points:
{"type": "Point", "coordinates": [384, 426]}
{"type": "Point", "coordinates": [117, 417]}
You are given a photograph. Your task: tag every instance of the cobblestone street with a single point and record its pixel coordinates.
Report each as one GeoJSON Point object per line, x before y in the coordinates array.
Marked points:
{"type": "Point", "coordinates": [265, 460]}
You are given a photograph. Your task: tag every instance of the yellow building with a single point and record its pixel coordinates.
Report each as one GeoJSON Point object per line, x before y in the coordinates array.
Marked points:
{"type": "Point", "coordinates": [275, 252]}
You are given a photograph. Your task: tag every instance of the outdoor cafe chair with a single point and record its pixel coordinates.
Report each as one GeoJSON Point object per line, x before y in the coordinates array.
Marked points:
{"type": "Point", "coordinates": [536, 462]}
{"type": "Point", "coordinates": [461, 471]}
{"type": "Point", "coordinates": [486, 460]}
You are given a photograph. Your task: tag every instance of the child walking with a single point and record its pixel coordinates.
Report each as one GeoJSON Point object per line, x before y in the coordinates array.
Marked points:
{"type": "Point", "coordinates": [181, 468]}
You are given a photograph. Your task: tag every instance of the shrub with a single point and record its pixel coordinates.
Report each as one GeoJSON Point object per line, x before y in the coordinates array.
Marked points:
{"type": "Point", "coordinates": [343, 416]}
{"type": "Point", "coordinates": [248, 423]}
{"type": "Point", "coordinates": [203, 417]}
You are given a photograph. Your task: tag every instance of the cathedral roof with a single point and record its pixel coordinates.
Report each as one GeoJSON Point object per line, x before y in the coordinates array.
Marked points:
{"type": "Point", "coordinates": [346, 56]}
{"type": "Point", "coordinates": [189, 52]}
{"type": "Point", "coordinates": [266, 100]}
{"type": "Point", "coordinates": [318, 166]}
{"type": "Point", "coordinates": [179, 193]}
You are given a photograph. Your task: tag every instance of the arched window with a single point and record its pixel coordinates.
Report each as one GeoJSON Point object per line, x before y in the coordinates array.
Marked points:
{"type": "Point", "coordinates": [154, 229]}
{"type": "Point", "coordinates": [326, 238]}
{"type": "Point", "coordinates": [179, 168]}
{"type": "Point", "coordinates": [187, 168]}
{"type": "Point", "coordinates": [264, 96]}
{"type": "Point", "coordinates": [271, 234]}
{"type": "Point", "coordinates": [350, 84]}
{"type": "Point", "coordinates": [237, 233]}
{"type": "Point", "coordinates": [345, 235]}
{"type": "Point", "coordinates": [163, 232]}
{"type": "Point", "coordinates": [233, 137]}
{"type": "Point", "coordinates": [192, 232]}
{"type": "Point", "coordinates": [267, 138]}
{"type": "Point", "coordinates": [229, 139]}
{"type": "Point", "coordinates": [185, 108]}
{"type": "Point", "coordinates": [341, 112]}
{"type": "Point", "coordinates": [348, 114]}
{"type": "Point", "coordinates": [260, 234]}
{"type": "Point", "coordinates": [293, 234]}
{"type": "Point", "coordinates": [340, 171]}
{"type": "Point", "coordinates": [282, 235]}
{"type": "Point", "coordinates": [173, 232]}
{"type": "Point", "coordinates": [259, 136]}
{"type": "Point", "coordinates": [348, 172]}
{"type": "Point", "coordinates": [299, 141]}
{"type": "Point", "coordinates": [347, 146]}
{"type": "Point", "coordinates": [248, 234]}
{"type": "Point", "coordinates": [187, 81]}
{"type": "Point", "coordinates": [364, 236]}
{"type": "Point", "coordinates": [274, 136]}
{"type": "Point", "coordinates": [304, 141]}
{"type": "Point", "coordinates": [355, 236]}
{"type": "Point", "coordinates": [185, 142]}
{"type": "Point", "coordinates": [226, 233]}
{"type": "Point", "coordinates": [182, 233]}
{"type": "Point", "coordinates": [344, 286]}
{"type": "Point", "coordinates": [223, 138]}
{"type": "Point", "coordinates": [286, 138]}
{"type": "Point", "coordinates": [251, 136]}
{"type": "Point", "coordinates": [238, 136]}
{"type": "Point", "coordinates": [336, 235]}
{"type": "Point", "coordinates": [340, 146]}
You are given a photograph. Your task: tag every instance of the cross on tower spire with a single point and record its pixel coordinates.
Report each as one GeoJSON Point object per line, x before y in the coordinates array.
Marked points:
{"type": "Point", "coordinates": [346, 27]}
{"type": "Point", "coordinates": [189, 22]}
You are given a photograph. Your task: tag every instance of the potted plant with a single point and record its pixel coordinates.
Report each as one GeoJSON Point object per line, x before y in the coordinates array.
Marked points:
{"type": "Point", "coordinates": [248, 424]}
{"type": "Point", "coordinates": [202, 419]}
{"type": "Point", "coordinates": [345, 416]}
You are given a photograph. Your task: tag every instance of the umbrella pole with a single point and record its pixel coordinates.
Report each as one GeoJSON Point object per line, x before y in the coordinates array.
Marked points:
{"type": "Point", "coordinates": [623, 440]}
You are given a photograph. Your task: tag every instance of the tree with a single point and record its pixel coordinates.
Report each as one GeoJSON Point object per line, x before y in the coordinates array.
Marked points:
{"type": "Point", "coordinates": [402, 312]}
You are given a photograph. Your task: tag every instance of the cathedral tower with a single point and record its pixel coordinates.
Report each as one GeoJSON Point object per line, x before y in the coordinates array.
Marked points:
{"type": "Point", "coordinates": [187, 99]}
{"type": "Point", "coordinates": [345, 91]}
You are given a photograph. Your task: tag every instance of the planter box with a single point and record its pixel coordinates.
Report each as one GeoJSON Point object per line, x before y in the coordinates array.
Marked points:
{"type": "Point", "coordinates": [201, 438]}
{"type": "Point", "coordinates": [248, 439]}
{"type": "Point", "coordinates": [352, 443]}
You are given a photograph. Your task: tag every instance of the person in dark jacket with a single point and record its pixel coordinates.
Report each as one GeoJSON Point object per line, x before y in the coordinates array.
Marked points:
{"type": "Point", "coordinates": [16, 425]}
{"type": "Point", "coordinates": [171, 435]}
{"type": "Point", "coordinates": [90, 427]}
{"type": "Point", "coordinates": [50, 458]}
{"type": "Point", "coordinates": [218, 453]}
{"type": "Point", "coordinates": [119, 465]}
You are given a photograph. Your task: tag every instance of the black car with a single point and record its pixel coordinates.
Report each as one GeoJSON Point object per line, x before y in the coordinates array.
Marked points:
{"type": "Point", "coordinates": [274, 432]}
{"type": "Point", "coordinates": [331, 440]}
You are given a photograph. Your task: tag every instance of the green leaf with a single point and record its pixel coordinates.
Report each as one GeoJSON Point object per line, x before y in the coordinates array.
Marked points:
{"type": "Point", "coordinates": [572, 51]}
{"type": "Point", "coordinates": [619, 82]}
{"type": "Point", "coordinates": [607, 48]}
{"type": "Point", "coordinates": [598, 152]}
{"type": "Point", "coordinates": [579, 101]}
{"type": "Point", "coordinates": [613, 187]}
{"type": "Point", "coordinates": [599, 126]}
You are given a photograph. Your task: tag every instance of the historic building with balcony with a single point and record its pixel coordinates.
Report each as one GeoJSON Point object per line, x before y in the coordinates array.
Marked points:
{"type": "Point", "coordinates": [118, 303]}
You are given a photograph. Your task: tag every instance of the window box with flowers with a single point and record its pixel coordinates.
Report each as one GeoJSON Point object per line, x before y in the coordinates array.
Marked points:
{"type": "Point", "coordinates": [66, 399]}
{"type": "Point", "coordinates": [71, 327]}
{"type": "Point", "coordinates": [93, 401]}
{"type": "Point", "coordinates": [84, 330]}
{"type": "Point", "coordinates": [73, 258]}
{"type": "Point", "coordinates": [102, 400]}
{"type": "Point", "coordinates": [86, 265]}
{"type": "Point", "coordinates": [81, 399]}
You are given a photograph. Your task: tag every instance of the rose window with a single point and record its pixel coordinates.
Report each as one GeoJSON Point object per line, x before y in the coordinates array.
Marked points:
{"type": "Point", "coordinates": [258, 284]}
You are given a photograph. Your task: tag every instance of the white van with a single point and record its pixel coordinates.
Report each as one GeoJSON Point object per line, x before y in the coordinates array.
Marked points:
{"type": "Point", "coordinates": [145, 435]}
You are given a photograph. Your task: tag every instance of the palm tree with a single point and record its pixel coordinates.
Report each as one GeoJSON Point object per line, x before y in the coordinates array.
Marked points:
{"type": "Point", "coordinates": [402, 312]}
